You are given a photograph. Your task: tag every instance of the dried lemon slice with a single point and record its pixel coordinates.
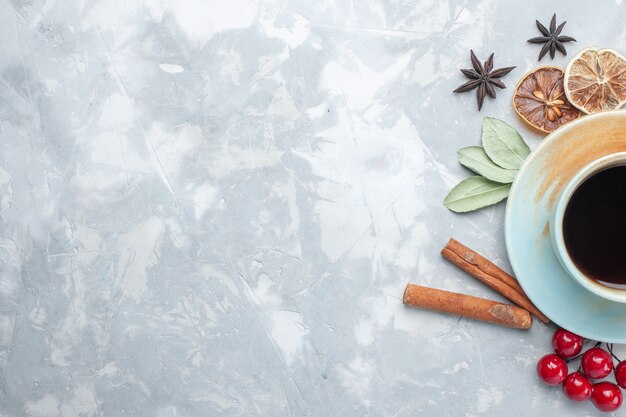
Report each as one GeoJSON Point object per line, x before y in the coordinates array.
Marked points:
{"type": "Point", "coordinates": [540, 101]}
{"type": "Point", "coordinates": [595, 80]}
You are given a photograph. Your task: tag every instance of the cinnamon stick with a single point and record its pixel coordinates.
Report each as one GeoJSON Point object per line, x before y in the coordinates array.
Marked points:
{"type": "Point", "coordinates": [496, 284]}
{"type": "Point", "coordinates": [483, 264]}
{"type": "Point", "coordinates": [467, 306]}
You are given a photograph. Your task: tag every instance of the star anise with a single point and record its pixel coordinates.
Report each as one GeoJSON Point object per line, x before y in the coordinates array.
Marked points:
{"type": "Point", "coordinates": [552, 38]}
{"type": "Point", "coordinates": [483, 78]}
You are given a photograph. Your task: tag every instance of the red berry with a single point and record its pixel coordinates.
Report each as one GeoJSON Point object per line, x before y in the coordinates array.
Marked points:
{"type": "Point", "coordinates": [566, 344]}
{"type": "Point", "coordinates": [606, 396]}
{"type": "Point", "coordinates": [597, 363]}
{"type": "Point", "coordinates": [577, 387]}
{"type": "Point", "coordinates": [620, 374]}
{"type": "Point", "coordinates": [552, 369]}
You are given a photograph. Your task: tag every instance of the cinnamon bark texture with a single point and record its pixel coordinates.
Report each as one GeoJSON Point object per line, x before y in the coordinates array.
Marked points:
{"type": "Point", "coordinates": [482, 263]}
{"type": "Point", "coordinates": [488, 273]}
{"type": "Point", "coordinates": [467, 306]}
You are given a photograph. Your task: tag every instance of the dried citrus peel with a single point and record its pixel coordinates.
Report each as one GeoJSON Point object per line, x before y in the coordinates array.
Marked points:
{"type": "Point", "coordinates": [595, 80]}
{"type": "Point", "coordinates": [540, 100]}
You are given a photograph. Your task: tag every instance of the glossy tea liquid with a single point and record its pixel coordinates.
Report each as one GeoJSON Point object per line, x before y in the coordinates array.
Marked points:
{"type": "Point", "coordinates": [594, 227]}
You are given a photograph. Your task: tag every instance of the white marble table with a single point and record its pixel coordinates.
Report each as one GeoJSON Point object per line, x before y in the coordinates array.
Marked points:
{"type": "Point", "coordinates": [211, 208]}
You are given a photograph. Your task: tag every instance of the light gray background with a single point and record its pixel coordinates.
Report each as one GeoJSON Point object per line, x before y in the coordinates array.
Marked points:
{"type": "Point", "coordinates": [211, 208]}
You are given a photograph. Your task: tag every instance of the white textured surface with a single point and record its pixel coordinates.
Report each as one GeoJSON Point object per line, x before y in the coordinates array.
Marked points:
{"type": "Point", "coordinates": [212, 207]}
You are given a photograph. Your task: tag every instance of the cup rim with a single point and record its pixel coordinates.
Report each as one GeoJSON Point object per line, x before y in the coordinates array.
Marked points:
{"type": "Point", "coordinates": [556, 227]}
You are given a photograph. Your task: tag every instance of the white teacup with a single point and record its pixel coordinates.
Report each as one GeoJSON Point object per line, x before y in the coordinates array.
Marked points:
{"type": "Point", "coordinates": [556, 228]}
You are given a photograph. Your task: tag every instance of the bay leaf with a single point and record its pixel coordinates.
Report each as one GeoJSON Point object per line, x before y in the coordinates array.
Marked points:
{"type": "Point", "coordinates": [503, 144]}
{"type": "Point", "coordinates": [474, 193]}
{"type": "Point", "coordinates": [476, 159]}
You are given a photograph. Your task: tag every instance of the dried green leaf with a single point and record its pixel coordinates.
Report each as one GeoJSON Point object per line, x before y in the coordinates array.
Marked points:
{"type": "Point", "coordinates": [503, 144]}
{"type": "Point", "coordinates": [474, 193]}
{"type": "Point", "coordinates": [476, 159]}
